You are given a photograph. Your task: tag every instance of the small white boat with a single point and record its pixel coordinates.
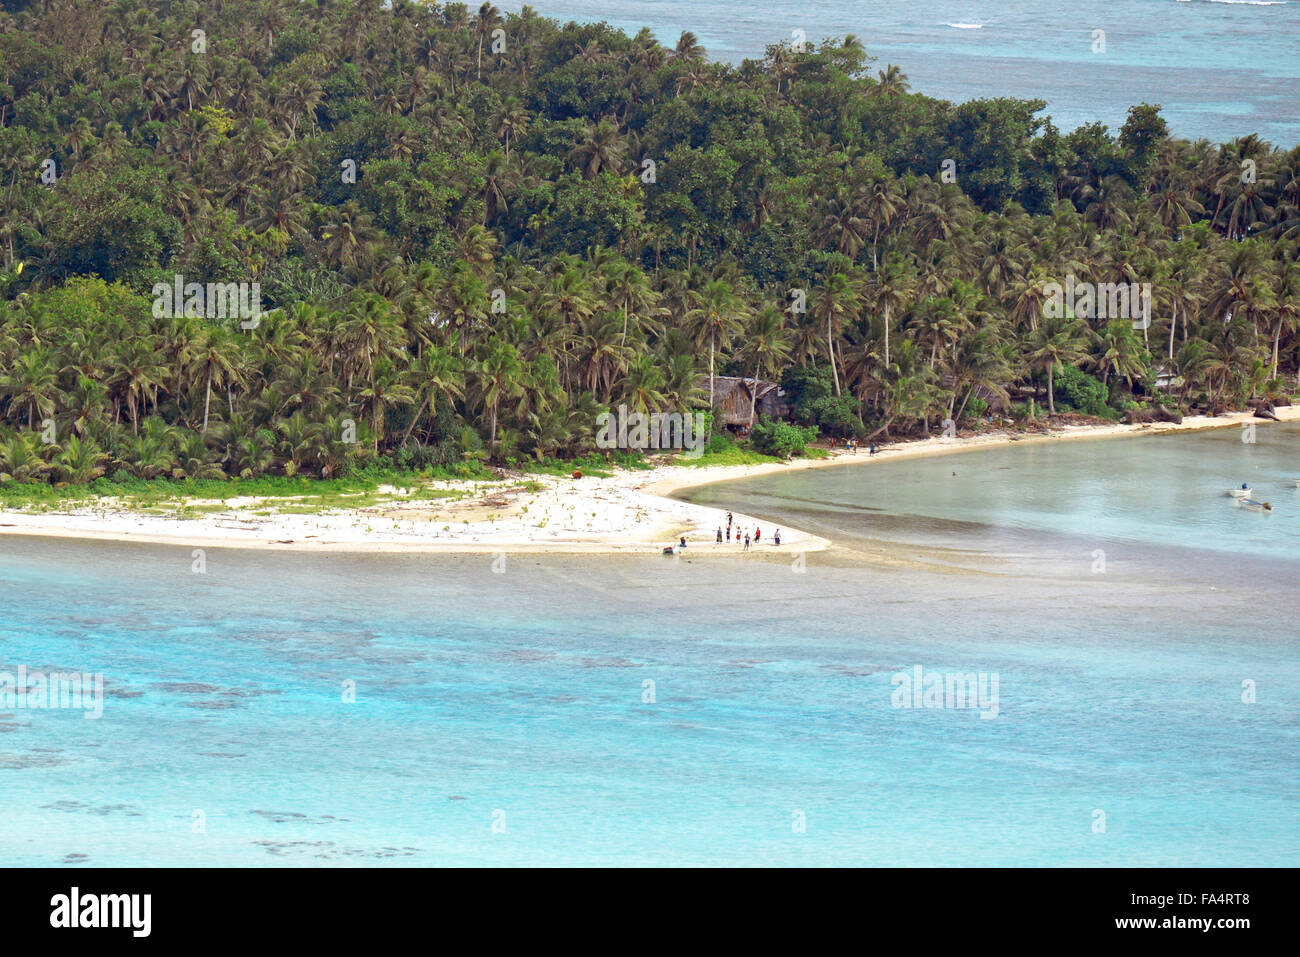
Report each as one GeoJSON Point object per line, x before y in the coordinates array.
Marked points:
{"type": "Point", "coordinates": [1239, 492]}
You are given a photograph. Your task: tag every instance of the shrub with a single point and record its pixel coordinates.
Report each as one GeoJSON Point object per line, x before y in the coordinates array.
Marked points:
{"type": "Point", "coordinates": [811, 394]}
{"type": "Point", "coordinates": [781, 438]}
{"type": "Point", "coordinates": [1082, 391]}
{"type": "Point", "coordinates": [721, 442]}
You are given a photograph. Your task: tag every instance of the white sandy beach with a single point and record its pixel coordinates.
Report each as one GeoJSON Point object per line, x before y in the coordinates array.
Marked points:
{"type": "Point", "coordinates": [629, 511]}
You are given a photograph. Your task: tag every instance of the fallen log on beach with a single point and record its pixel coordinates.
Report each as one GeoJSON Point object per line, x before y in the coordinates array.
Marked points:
{"type": "Point", "coordinates": [1265, 409]}
{"type": "Point", "coordinates": [1147, 416]}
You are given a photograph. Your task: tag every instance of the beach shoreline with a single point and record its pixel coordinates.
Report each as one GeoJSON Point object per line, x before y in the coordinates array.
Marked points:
{"type": "Point", "coordinates": [629, 512]}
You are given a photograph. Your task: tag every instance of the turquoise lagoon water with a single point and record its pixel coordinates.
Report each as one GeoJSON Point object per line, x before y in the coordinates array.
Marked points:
{"type": "Point", "coordinates": [520, 698]}
{"type": "Point", "coordinates": [1220, 68]}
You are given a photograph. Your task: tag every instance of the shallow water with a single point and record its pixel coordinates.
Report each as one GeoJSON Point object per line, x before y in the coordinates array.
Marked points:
{"type": "Point", "coordinates": [1159, 498]}
{"type": "Point", "coordinates": [1219, 68]}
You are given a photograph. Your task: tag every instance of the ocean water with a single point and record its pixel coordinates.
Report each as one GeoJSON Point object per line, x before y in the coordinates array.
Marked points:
{"type": "Point", "coordinates": [1219, 68]}
{"type": "Point", "coordinates": [660, 711]}
{"type": "Point", "coordinates": [1158, 499]}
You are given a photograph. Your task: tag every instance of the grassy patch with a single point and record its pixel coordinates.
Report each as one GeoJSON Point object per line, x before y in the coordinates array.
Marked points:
{"type": "Point", "coordinates": [731, 455]}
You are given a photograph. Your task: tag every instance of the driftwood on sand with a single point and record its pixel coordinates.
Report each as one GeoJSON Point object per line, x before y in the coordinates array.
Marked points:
{"type": "Point", "coordinates": [1265, 409]}
{"type": "Point", "coordinates": [1158, 414]}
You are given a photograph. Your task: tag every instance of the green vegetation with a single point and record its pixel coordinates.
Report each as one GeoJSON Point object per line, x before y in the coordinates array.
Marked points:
{"type": "Point", "coordinates": [781, 438]}
{"type": "Point", "coordinates": [469, 244]}
{"type": "Point", "coordinates": [312, 494]}
{"type": "Point", "coordinates": [1083, 393]}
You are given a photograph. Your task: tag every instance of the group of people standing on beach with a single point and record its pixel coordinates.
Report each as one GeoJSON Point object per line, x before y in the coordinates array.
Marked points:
{"type": "Point", "coordinates": [758, 534]}
{"type": "Point", "coordinates": [853, 445]}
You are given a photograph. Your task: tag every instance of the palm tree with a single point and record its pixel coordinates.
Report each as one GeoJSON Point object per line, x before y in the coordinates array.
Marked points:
{"type": "Point", "coordinates": [768, 341]}
{"type": "Point", "coordinates": [437, 373]}
{"type": "Point", "coordinates": [893, 287]}
{"type": "Point", "coordinates": [487, 19]}
{"type": "Point", "coordinates": [497, 177]}
{"type": "Point", "coordinates": [497, 377]}
{"type": "Point", "coordinates": [1121, 352]}
{"type": "Point", "coordinates": [843, 227]}
{"type": "Point", "coordinates": [348, 235]}
{"type": "Point", "coordinates": [216, 360]}
{"type": "Point", "coordinates": [194, 459]}
{"type": "Point", "coordinates": [1056, 343]}
{"type": "Point", "coordinates": [643, 385]}
{"type": "Point", "coordinates": [880, 203]}
{"type": "Point", "coordinates": [717, 317]}
{"type": "Point", "coordinates": [892, 82]}
{"type": "Point", "coordinates": [20, 458]}
{"type": "Point", "coordinates": [836, 302]}
{"type": "Point", "coordinates": [79, 461]}
{"type": "Point", "coordinates": [33, 383]}
{"type": "Point", "coordinates": [511, 121]}
{"type": "Point", "coordinates": [601, 148]}
{"type": "Point", "coordinates": [688, 48]}
{"type": "Point", "coordinates": [385, 389]}
{"type": "Point", "coordinates": [979, 363]}
{"type": "Point", "coordinates": [139, 372]}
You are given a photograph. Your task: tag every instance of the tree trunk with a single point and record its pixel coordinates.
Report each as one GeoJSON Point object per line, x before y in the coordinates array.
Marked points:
{"type": "Point", "coordinates": [207, 401]}
{"type": "Point", "coordinates": [1173, 325]}
{"type": "Point", "coordinates": [1051, 392]}
{"type": "Point", "coordinates": [886, 333]}
{"type": "Point", "coordinates": [969, 393]}
{"type": "Point", "coordinates": [753, 395]}
{"type": "Point", "coordinates": [414, 422]}
{"type": "Point", "coordinates": [884, 428]}
{"type": "Point", "coordinates": [830, 345]}
{"type": "Point", "coordinates": [711, 338]}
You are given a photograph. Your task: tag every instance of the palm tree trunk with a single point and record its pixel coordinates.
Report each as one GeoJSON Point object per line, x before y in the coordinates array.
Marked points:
{"type": "Point", "coordinates": [830, 345]}
{"type": "Point", "coordinates": [711, 338]}
{"type": "Point", "coordinates": [969, 393]}
{"type": "Point", "coordinates": [207, 401]}
{"type": "Point", "coordinates": [414, 422]}
{"type": "Point", "coordinates": [753, 394]}
{"type": "Point", "coordinates": [1051, 391]}
{"type": "Point", "coordinates": [886, 333]}
{"type": "Point", "coordinates": [1173, 325]}
{"type": "Point", "coordinates": [884, 428]}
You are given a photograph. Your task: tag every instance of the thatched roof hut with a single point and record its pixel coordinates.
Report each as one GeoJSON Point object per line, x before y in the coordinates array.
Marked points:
{"type": "Point", "coordinates": [732, 396]}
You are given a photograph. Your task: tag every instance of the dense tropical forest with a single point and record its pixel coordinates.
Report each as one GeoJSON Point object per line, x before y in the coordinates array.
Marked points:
{"type": "Point", "coordinates": [473, 232]}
